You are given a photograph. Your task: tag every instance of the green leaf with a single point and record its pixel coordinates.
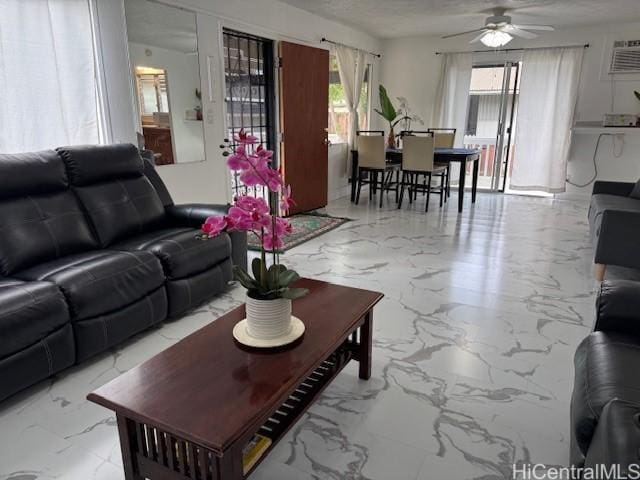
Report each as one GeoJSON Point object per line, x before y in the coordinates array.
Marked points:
{"type": "Point", "coordinates": [245, 279]}
{"type": "Point", "coordinates": [272, 277]}
{"type": "Point", "coordinates": [288, 277]}
{"type": "Point", "coordinates": [293, 293]}
{"type": "Point", "coordinates": [256, 268]}
{"type": "Point", "coordinates": [388, 112]}
{"type": "Point", "coordinates": [637, 94]}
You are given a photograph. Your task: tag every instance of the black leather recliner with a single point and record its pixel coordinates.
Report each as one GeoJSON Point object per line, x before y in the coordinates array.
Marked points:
{"type": "Point", "coordinates": [605, 405]}
{"type": "Point", "coordinates": [92, 251]}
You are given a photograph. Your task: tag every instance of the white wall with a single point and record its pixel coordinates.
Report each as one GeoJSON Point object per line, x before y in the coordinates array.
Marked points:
{"type": "Point", "coordinates": [411, 69]}
{"type": "Point", "coordinates": [183, 77]}
{"type": "Point", "coordinates": [208, 181]}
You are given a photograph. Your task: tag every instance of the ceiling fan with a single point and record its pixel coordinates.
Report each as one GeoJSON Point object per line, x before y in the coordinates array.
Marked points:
{"type": "Point", "coordinates": [498, 30]}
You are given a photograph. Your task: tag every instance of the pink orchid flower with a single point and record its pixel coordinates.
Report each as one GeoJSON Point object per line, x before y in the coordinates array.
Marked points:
{"type": "Point", "coordinates": [252, 204]}
{"type": "Point", "coordinates": [286, 202]}
{"type": "Point", "coordinates": [272, 242]}
{"type": "Point", "coordinates": [213, 226]}
{"type": "Point", "coordinates": [245, 138]}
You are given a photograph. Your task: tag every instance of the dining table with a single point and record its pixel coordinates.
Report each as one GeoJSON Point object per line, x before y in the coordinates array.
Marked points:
{"type": "Point", "coordinates": [441, 156]}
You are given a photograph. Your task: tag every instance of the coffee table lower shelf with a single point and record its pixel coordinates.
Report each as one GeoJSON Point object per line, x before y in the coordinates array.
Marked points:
{"type": "Point", "coordinates": [149, 452]}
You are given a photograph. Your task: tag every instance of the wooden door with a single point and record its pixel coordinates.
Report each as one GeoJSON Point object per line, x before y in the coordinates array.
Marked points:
{"type": "Point", "coordinates": [304, 119]}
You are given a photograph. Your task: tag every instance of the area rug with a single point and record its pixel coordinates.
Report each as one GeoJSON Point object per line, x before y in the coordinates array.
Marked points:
{"type": "Point", "coordinates": [306, 226]}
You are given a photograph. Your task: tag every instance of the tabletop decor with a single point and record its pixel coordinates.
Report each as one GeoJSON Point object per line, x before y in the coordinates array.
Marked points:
{"type": "Point", "coordinates": [269, 322]}
{"type": "Point", "coordinates": [394, 116]}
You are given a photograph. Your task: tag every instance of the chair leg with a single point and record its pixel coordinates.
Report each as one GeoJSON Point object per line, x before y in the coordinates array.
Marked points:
{"type": "Point", "coordinates": [402, 185]}
{"type": "Point", "coordinates": [442, 188]}
{"type": "Point", "coordinates": [381, 187]}
{"type": "Point", "coordinates": [446, 184]}
{"type": "Point", "coordinates": [397, 184]}
{"type": "Point", "coordinates": [411, 187]}
{"type": "Point", "coordinates": [426, 207]}
{"type": "Point", "coordinates": [359, 187]}
{"type": "Point", "coordinates": [448, 180]}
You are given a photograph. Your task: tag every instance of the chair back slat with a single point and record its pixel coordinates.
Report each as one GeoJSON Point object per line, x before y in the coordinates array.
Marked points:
{"type": "Point", "coordinates": [443, 137]}
{"type": "Point", "coordinates": [417, 153]}
{"type": "Point", "coordinates": [371, 151]}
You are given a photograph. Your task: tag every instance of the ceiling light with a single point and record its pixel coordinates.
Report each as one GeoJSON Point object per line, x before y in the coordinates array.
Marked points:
{"type": "Point", "coordinates": [496, 38]}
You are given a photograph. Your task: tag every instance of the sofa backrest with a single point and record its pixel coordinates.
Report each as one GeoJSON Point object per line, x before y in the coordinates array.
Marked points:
{"type": "Point", "coordinates": [40, 218]}
{"type": "Point", "coordinates": [109, 182]}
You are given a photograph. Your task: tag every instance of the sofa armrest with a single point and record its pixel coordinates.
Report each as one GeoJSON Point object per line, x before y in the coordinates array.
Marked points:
{"type": "Point", "coordinates": [617, 438]}
{"type": "Point", "coordinates": [194, 215]}
{"type": "Point", "coordinates": [621, 189]}
{"type": "Point", "coordinates": [618, 307]}
{"type": "Point", "coordinates": [618, 239]}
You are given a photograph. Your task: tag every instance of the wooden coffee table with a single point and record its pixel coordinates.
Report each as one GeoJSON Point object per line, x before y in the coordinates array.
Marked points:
{"type": "Point", "coordinates": [188, 412]}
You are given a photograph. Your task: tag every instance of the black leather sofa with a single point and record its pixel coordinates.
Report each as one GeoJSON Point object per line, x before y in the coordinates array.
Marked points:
{"type": "Point", "coordinates": [92, 251]}
{"type": "Point", "coordinates": [605, 405]}
{"type": "Point", "coordinates": [614, 221]}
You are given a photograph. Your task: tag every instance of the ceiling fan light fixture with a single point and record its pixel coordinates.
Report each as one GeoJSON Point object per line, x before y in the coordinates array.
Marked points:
{"type": "Point", "coordinates": [496, 38]}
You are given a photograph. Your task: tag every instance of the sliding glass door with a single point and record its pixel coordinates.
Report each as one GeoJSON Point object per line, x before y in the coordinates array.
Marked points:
{"type": "Point", "coordinates": [493, 101]}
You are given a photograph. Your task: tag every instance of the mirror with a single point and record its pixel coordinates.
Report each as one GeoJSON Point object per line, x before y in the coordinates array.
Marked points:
{"type": "Point", "coordinates": [163, 49]}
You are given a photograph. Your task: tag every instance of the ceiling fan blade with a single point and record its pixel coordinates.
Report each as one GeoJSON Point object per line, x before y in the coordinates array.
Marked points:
{"type": "Point", "coordinates": [535, 27]}
{"type": "Point", "coordinates": [465, 33]}
{"type": "Point", "coordinates": [518, 32]}
{"type": "Point", "coordinates": [477, 39]}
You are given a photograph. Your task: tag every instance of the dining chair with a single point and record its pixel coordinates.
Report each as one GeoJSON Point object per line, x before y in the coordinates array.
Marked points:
{"type": "Point", "coordinates": [417, 160]}
{"type": "Point", "coordinates": [444, 138]}
{"type": "Point", "coordinates": [372, 161]}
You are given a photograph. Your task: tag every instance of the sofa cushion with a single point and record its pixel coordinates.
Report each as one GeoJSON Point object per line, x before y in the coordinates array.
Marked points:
{"type": "Point", "coordinates": [89, 164]}
{"type": "Point", "coordinates": [28, 313]}
{"type": "Point", "coordinates": [605, 368]}
{"type": "Point", "coordinates": [180, 250]}
{"type": "Point", "coordinates": [31, 173]}
{"type": "Point", "coordinates": [119, 200]}
{"type": "Point", "coordinates": [102, 281]}
{"type": "Point", "coordinates": [40, 228]}
{"type": "Point", "coordinates": [602, 202]}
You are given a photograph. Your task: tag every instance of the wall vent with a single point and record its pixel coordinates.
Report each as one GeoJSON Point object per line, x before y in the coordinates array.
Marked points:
{"type": "Point", "coordinates": [625, 57]}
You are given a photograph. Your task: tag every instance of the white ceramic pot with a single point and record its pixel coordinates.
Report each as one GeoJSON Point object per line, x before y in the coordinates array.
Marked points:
{"type": "Point", "coordinates": [268, 319]}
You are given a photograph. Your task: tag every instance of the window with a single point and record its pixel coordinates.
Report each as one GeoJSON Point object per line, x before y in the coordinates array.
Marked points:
{"type": "Point", "coordinates": [48, 82]}
{"type": "Point", "coordinates": [249, 91]}
{"type": "Point", "coordinates": [338, 110]}
{"type": "Point", "coordinates": [152, 93]}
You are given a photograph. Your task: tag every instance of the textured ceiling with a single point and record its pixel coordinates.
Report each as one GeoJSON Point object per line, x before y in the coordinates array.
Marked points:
{"type": "Point", "coordinates": [161, 26]}
{"type": "Point", "coordinates": [397, 18]}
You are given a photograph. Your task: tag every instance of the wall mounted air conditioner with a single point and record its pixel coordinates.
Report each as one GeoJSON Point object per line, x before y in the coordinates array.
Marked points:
{"type": "Point", "coordinates": [625, 57]}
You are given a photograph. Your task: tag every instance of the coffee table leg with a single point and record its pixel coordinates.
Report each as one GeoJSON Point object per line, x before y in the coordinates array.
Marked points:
{"type": "Point", "coordinates": [126, 434]}
{"type": "Point", "coordinates": [366, 337]}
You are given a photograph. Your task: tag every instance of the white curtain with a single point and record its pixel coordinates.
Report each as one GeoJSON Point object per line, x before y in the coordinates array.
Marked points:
{"type": "Point", "coordinates": [548, 93]}
{"type": "Point", "coordinates": [452, 96]}
{"type": "Point", "coordinates": [351, 68]}
{"type": "Point", "coordinates": [47, 75]}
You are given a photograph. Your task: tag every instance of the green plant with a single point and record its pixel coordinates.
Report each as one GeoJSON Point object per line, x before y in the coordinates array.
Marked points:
{"type": "Point", "coordinates": [387, 110]}
{"type": "Point", "coordinates": [269, 283]}
{"type": "Point", "coordinates": [637, 94]}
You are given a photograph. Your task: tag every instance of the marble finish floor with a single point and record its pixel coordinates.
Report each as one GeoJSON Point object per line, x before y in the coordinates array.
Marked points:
{"type": "Point", "coordinates": [473, 347]}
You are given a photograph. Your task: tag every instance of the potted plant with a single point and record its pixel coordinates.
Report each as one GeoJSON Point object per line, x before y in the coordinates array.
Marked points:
{"type": "Point", "coordinates": [269, 291]}
{"type": "Point", "coordinates": [394, 116]}
{"type": "Point", "coordinates": [389, 113]}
